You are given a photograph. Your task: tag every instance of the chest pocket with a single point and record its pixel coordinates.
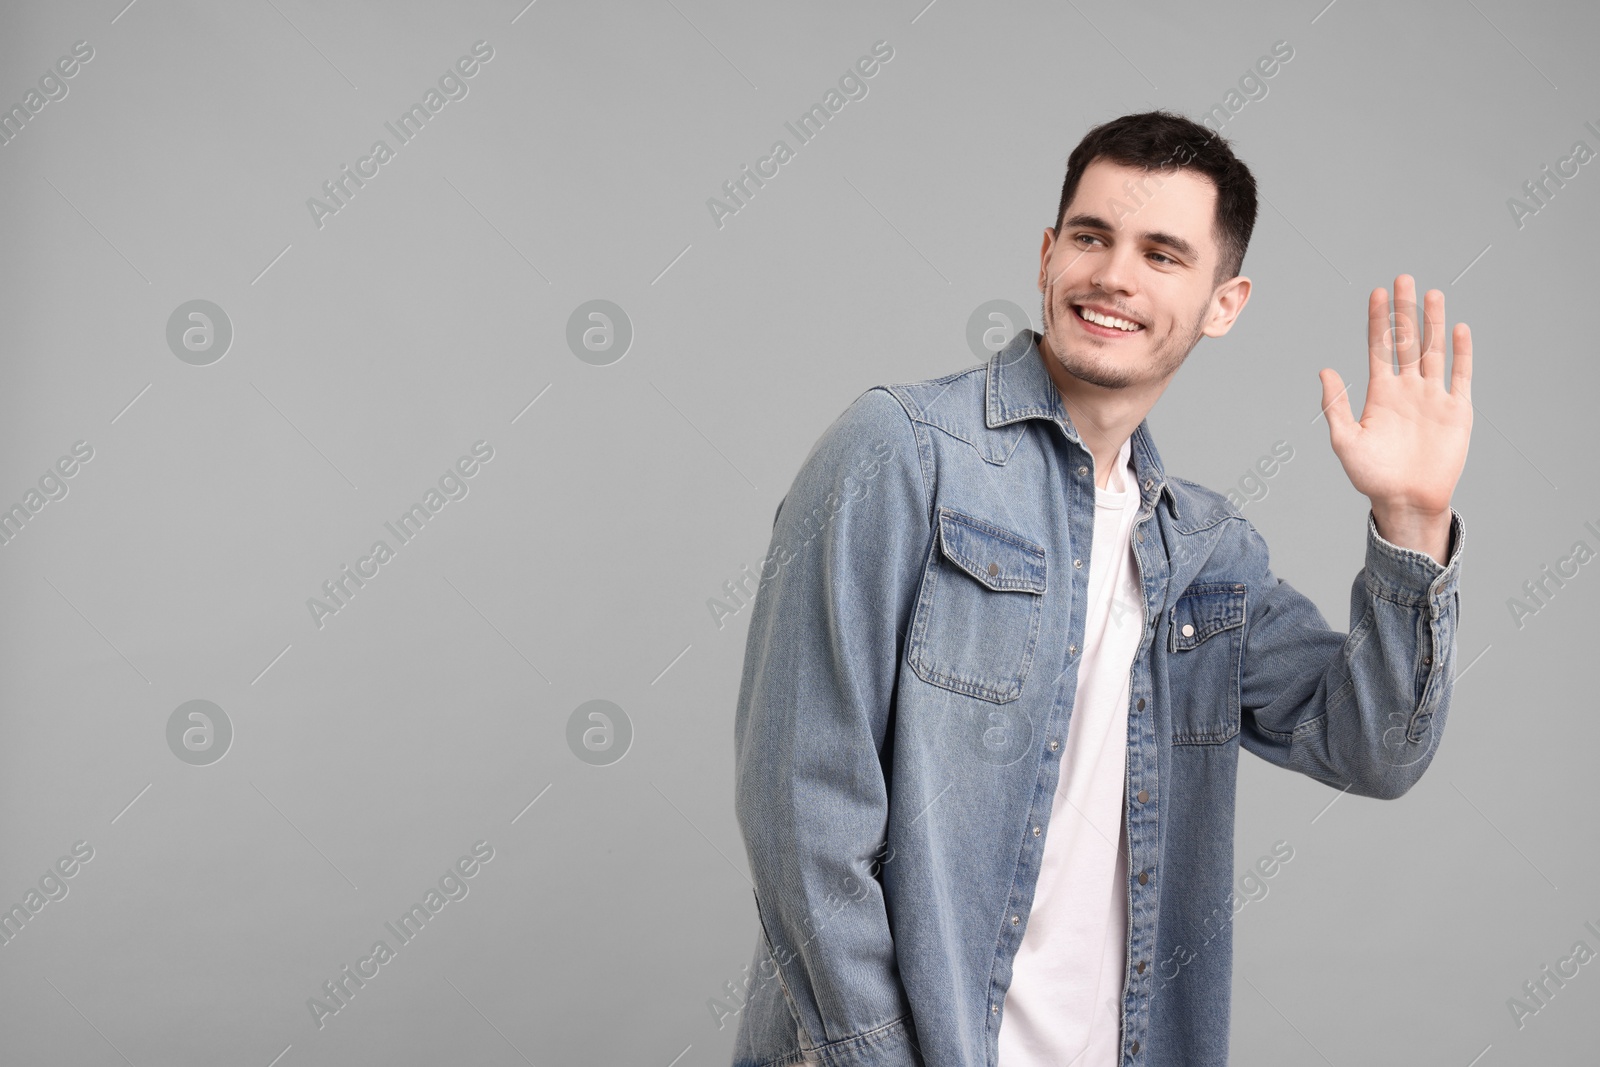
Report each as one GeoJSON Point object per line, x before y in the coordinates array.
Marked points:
{"type": "Point", "coordinates": [1205, 639]}
{"type": "Point", "coordinates": [978, 610]}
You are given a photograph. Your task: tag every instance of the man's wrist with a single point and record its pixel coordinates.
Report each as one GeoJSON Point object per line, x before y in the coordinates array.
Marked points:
{"type": "Point", "coordinates": [1427, 532]}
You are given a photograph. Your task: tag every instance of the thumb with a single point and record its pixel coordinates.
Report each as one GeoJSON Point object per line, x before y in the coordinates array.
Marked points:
{"type": "Point", "coordinates": [1336, 404]}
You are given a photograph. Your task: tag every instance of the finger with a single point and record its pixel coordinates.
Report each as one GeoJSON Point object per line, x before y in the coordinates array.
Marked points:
{"type": "Point", "coordinates": [1433, 336]}
{"type": "Point", "coordinates": [1336, 404]}
{"type": "Point", "coordinates": [1380, 357]}
{"type": "Point", "coordinates": [1461, 369]}
{"type": "Point", "coordinates": [1407, 351]}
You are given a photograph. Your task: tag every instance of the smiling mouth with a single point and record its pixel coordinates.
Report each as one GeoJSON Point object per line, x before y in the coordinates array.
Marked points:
{"type": "Point", "coordinates": [1104, 325]}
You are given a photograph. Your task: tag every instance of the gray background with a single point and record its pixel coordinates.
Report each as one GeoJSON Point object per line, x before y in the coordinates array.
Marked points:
{"type": "Point", "coordinates": [434, 709]}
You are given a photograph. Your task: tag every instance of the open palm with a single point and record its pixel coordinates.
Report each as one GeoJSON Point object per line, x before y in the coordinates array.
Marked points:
{"type": "Point", "coordinates": [1407, 452]}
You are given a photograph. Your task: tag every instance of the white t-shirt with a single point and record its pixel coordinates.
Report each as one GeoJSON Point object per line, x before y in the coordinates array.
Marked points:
{"type": "Point", "coordinates": [1064, 1005]}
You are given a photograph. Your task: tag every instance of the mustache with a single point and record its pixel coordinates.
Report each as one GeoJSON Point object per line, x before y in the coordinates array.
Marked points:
{"type": "Point", "coordinates": [1104, 301]}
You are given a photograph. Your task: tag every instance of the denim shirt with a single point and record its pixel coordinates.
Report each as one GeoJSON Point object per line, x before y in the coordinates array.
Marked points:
{"type": "Point", "coordinates": [907, 690]}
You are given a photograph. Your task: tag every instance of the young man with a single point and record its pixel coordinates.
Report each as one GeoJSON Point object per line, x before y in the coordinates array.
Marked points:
{"type": "Point", "coordinates": [1001, 669]}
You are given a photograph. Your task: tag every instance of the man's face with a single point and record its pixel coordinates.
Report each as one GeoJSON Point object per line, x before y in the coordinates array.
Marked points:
{"type": "Point", "coordinates": [1138, 246]}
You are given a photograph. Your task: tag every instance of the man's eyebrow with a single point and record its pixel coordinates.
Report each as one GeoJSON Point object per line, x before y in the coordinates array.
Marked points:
{"type": "Point", "coordinates": [1172, 241]}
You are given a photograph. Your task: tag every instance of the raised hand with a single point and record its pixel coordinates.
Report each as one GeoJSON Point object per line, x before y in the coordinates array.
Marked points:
{"type": "Point", "coordinates": [1407, 452]}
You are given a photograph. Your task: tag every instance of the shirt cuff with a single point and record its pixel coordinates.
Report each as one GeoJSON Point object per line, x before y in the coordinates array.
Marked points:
{"type": "Point", "coordinates": [1407, 576]}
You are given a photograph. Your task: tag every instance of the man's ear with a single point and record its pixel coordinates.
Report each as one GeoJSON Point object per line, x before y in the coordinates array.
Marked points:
{"type": "Point", "coordinates": [1226, 304]}
{"type": "Point", "coordinates": [1044, 255]}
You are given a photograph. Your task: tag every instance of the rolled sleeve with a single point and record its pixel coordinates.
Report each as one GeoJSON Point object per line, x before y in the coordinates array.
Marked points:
{"type": "Point", "coordinates": [1406, 575]}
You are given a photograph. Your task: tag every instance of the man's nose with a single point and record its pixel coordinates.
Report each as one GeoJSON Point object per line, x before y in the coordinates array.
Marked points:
{"type": "Point", "coordinates": [1115, 272]}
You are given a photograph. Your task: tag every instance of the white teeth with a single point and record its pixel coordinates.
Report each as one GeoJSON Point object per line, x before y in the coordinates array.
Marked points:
{"type": "Point", "coordinates": [1107, 320]}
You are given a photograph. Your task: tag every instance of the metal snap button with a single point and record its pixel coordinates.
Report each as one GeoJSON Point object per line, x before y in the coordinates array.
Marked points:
{"type": "Point", "coordinates": [1188, 629]}
{"type": "Point", "coordinates": [994, 569]}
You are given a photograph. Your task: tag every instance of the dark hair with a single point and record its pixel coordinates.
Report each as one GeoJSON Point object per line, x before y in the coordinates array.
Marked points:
{"type": "Point", "coordinates": [1167, 141]}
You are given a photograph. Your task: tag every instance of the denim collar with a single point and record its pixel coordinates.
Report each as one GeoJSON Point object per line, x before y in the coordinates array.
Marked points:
{"type": "Point", "coordinates": [1019, 387]}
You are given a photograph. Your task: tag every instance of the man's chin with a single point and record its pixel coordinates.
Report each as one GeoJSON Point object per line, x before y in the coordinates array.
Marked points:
{"type": "Point", "coordinates": [1094, 374]}
{"type": "Point", "coordinates": [1104, 383]}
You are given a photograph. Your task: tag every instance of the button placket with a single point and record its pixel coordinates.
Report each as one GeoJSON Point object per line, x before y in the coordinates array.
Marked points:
{"type": "Point", "coordinates": [1140, 730]}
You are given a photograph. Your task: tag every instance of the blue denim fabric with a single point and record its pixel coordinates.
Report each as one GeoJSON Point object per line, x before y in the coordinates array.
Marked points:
{"type": "Point", "coordinates": [907, 689]}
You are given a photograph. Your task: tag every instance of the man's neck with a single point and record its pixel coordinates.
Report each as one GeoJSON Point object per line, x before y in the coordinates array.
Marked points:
{"type": "Point", "coordinates": [1104, 418]}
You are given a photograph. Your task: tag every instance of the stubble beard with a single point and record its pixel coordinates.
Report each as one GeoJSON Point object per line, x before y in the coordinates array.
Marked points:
{"type": "Point", "coordinates": [1169, 351]}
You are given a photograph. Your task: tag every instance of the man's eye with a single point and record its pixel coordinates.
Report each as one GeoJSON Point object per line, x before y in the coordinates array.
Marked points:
{"type": "Point", "coordinates": [1086, 237]}
{"type": "Point", "coordinates": [1163, 256]}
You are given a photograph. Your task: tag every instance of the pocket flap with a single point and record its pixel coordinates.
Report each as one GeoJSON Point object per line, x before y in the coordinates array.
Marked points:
{"type": "Point", "coordinates": [1203, 610]}
{"type": "Point", "coordinates": [998, 558]}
